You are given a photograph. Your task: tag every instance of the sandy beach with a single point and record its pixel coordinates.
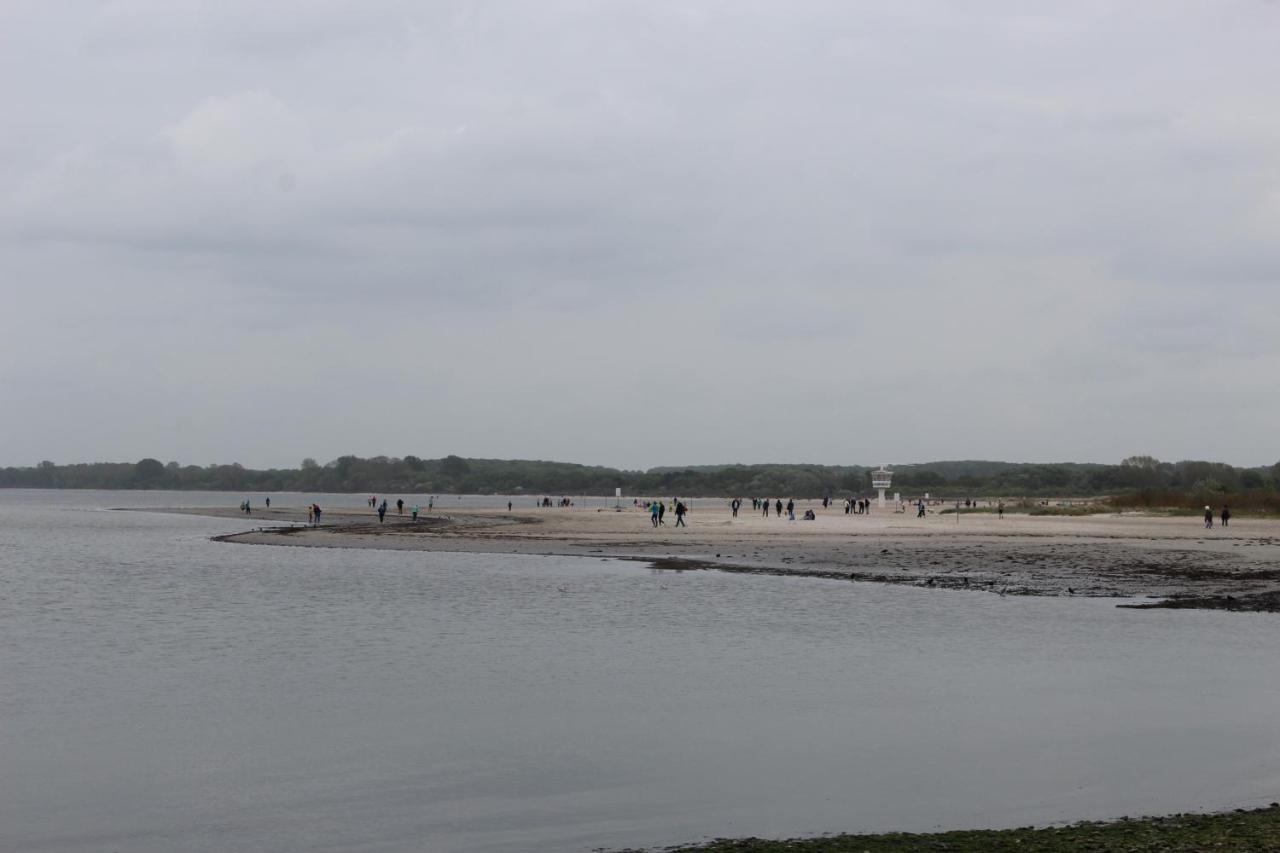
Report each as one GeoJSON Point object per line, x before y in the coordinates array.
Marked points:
{"type": "Point", "coordinates": [1175, 562]}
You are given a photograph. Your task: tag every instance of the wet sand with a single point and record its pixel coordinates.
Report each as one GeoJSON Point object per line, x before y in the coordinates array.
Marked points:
{"type": "Point", "coordinates": [1173, 561]}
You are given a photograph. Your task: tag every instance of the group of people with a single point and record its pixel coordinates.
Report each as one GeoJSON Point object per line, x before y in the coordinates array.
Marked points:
{"type": "Point", "coordinates": [763, 505]}
{"type": "Point", "coordinates": [658, 512]}
{"type": "Point", "coordinates": [860, 506]}
{"type": "Point", "coordinates": [852, 506]}
{"type": "Point", "coordinates": [382, 509]}
{"type": "Point", "coordinates": [658, 509]}
{"type": "Point", "coordinates": [1208, 516]}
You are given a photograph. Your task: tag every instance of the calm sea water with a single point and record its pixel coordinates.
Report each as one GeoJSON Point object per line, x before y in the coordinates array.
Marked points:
{"type": "Point", "coordinates": [161, 692]}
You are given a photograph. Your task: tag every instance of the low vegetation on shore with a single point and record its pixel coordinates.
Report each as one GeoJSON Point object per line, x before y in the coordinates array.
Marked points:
{"type": "Point", "coordinates": [1139, 482]}
{"type": "Point", "coordinates": [1034, 508]}
{"type": "Point", "coordinates": [1258, 829]}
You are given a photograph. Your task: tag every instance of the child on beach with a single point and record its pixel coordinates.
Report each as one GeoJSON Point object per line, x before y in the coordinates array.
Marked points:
{"type": "Point", "coordinates": [1208, 518]}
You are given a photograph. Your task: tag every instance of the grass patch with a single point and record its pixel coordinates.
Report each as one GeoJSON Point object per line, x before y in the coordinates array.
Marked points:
{"type": "Point", "coordinates": [1257, 503]}
{"type": "Point", "coordinates": [1198, 512]}
{"type": "Point", "coordinates": [1258, 829]}
{"type": "Point", "coordinates": [1090, 509]}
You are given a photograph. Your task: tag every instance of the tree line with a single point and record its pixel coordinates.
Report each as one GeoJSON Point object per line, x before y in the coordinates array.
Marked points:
{"type": "Point", "coordinates": [1142, 478]}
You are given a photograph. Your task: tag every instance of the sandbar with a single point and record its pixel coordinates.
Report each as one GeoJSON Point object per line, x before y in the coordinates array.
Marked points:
{"type": "Point", "coordinates": [1159, 561]}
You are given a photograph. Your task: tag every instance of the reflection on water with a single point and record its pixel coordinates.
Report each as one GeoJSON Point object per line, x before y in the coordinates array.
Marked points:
{"type": "Point", "coordinates": [160, 692]}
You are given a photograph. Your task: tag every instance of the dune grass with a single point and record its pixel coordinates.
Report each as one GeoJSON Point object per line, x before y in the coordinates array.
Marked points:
{"type": "Point", "coordinates": [1032, 509]}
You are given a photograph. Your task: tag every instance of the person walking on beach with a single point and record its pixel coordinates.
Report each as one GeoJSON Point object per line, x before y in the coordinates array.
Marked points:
{"type": "Point", "coordinates": [735, 506]}
{"type": "Point", "coordinates": [315, 509]}
{"type": "Point", "coordinates": [1208, 518]}
{"type": "Point", "coordinates": [399, 506]}
{"type": "Point", "coordinates": [680, 511]}
{"type": "Point", "coordinates": [1226, 515]}
{"type": "Point", "coordinates": [508, 506]}
{"type": "Point", "coordinates": [791, 509]}
{"type": "Point", "coordinates": [662, 510]}
{"type": "Point", "coordinates": [382, 511]}
{"type": "Point", "coordinates": [415, 512]}
{"type": "Point", "coordinates": [1000, 510]}
{"type": "Point", "coordinates": [778, 507]}
{"type": "Point", "coordinates": [268, 503]}
{"type": "Point", "coordinates": [766, 507]}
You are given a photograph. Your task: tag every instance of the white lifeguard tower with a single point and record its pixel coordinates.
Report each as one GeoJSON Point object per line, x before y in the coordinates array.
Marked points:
{"type": "Point", "coordinates": [880, 480]}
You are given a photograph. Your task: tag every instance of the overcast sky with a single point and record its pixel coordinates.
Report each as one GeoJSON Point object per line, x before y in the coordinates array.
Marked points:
{"type": "Point", "coordinates": [639, 233]}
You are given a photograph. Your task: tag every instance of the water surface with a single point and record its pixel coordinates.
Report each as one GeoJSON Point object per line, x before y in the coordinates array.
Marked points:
{"type": "Point", "coordinates": [161, 692]}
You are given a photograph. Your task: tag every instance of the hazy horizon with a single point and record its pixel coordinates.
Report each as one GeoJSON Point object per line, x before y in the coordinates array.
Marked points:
{"type": "Point", "coordinates": [677, 465]}
{"type": "Point", "coordinates": [632, 232]}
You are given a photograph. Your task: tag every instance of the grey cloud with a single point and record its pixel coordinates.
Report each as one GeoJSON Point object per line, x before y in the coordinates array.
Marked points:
{"type": "Point", "coordinates": [637, 233]}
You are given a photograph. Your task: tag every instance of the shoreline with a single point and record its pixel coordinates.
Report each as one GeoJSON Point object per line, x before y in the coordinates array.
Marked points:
{"type": "Point", "coordinates": [1130, 556]}
{"type": "Point", "coordinates": [1173, 562]}
{"type": "Point", "coordinates": [1240, 829]}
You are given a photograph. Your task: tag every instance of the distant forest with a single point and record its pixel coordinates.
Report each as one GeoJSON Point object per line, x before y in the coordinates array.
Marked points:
{"type": "Point", "coordinates": [1142, 479]}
